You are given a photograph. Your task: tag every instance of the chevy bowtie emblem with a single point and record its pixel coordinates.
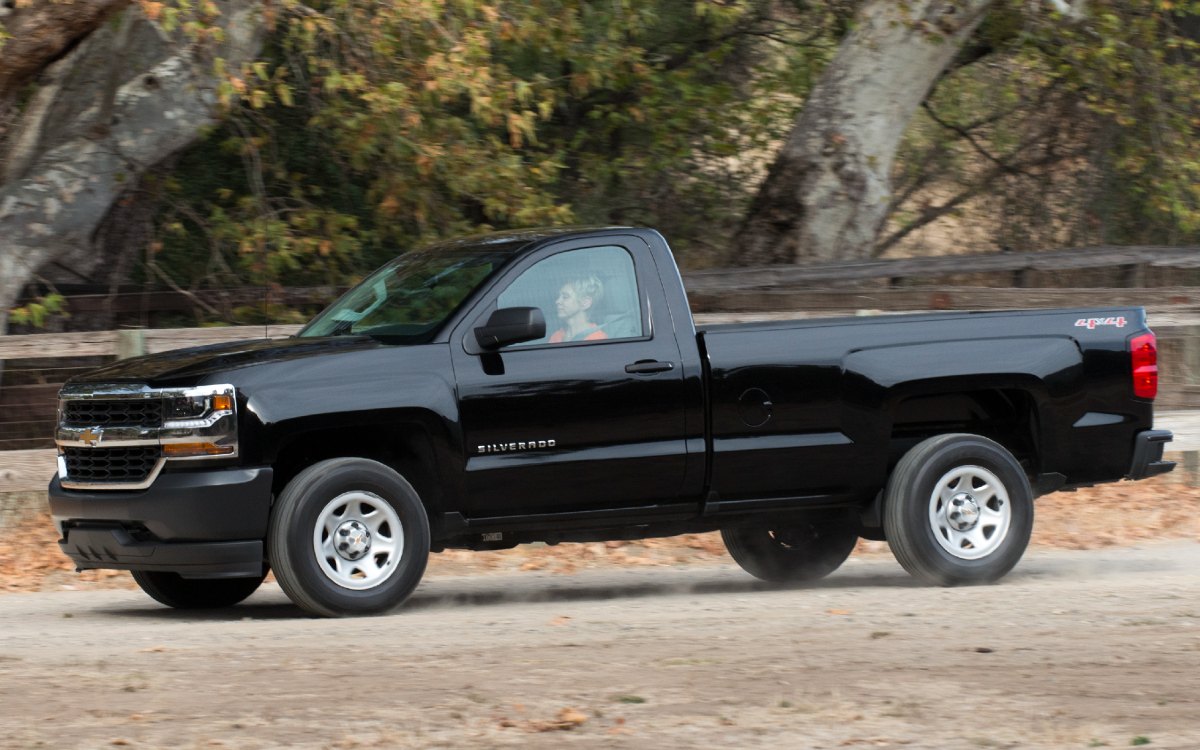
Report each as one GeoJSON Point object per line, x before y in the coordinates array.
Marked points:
{"type": "Point", "coordinates": [91, 438]}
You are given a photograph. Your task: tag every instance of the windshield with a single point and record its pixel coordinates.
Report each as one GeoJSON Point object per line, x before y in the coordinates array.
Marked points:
{"type": "Point", "coordinates": [408, 299]}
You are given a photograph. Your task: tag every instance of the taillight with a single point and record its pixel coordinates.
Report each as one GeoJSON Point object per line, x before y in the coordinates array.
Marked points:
{"type": "Point", "coordinates": [1143, 354]}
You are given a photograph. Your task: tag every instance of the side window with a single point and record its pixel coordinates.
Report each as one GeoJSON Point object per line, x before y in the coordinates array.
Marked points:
{"type": "Point", "coordinates": [586, 295]}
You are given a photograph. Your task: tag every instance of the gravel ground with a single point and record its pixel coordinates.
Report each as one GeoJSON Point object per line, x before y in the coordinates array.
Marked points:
{"type": "Point", "coordinates": [1093, 641]}
{"type": "Point", "coordinates": [1074, 649]}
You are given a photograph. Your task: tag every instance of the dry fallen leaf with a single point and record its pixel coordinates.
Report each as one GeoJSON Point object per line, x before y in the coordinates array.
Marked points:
{"type": "Point", "coordinates": [567, 718]}
{"type": "Point", "coordinates": [572, 716]}
{"type": "Point", "coordinates": [1166, 507]}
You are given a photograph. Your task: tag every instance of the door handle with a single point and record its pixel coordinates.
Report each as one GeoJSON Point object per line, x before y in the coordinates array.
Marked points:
{"type": "Point", "coordinates": [647, 366]}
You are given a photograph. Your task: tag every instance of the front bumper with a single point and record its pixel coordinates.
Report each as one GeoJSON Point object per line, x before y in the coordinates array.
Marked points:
{"type": "Point", "coordinates": [199, 524]}
{"type": "Point", "coordinates": [1147, 454]}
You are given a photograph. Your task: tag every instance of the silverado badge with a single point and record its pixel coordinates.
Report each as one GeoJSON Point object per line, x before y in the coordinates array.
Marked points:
{"type": "Point", "coordinates": [523, 445]}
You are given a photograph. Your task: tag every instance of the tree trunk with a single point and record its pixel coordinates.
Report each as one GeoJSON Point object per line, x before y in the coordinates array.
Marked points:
{"type": "Point", "coordinates": [827, 194]}
{"type": "Point", "coordinates": [154, 92]}
{"type": "Point", "coordinates": [41, 32]}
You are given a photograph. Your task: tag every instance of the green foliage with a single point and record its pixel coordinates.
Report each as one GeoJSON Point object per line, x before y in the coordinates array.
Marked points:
{"type": "Point", "coordinates": [1072, 132]}
{"type": "Point", "coordinates": [368, 128]}
{"type": "Point", "coordinates": [39, 311]}
{"type": "Point", "coordinates": [1135, 67]}
{"type": "Point", "coordinates": [371, 128]}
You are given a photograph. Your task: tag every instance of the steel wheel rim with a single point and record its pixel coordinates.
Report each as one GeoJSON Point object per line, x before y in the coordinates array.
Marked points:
{"type": "Point", "coordinates": [970, 512]}
{"type": "Point", "coordinates": [358, 540]}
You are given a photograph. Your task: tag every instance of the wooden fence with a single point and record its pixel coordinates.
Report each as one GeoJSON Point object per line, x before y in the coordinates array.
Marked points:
{"type": "Point", "coordinates": [1130, 265]}
{"type": "Point", "coordinates": [30, 409]}
{"type": "Point", "coordinates": [35, 365]}
{"type": "Point", "coordinates": [130, 343]}
{"type": "Point", "coordinates": [997, 278]}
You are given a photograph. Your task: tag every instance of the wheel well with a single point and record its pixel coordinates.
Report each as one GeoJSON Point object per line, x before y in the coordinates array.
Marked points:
{"type": "Point", "coordinates": [405, 448]}
{"type": "Point", "coordinates": [1008, 416]}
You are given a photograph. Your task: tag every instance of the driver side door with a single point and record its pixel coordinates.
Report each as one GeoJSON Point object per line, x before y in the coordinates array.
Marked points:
{"type": "Point", "coordinates": [575, 423]}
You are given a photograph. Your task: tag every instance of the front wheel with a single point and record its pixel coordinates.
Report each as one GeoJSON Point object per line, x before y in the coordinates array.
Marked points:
{"type": "Point", "coordinates": [176, 591]}
{"type": "Point", "coordinates": [801, 552]}
{"type": "Point", "coordinates": [958, 509]}
{"type": "Point", "coordinates": [348, 536]}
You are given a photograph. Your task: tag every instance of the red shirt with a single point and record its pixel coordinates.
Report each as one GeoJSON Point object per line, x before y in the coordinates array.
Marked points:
{"type": "Point", "coordinates": [560, 336]}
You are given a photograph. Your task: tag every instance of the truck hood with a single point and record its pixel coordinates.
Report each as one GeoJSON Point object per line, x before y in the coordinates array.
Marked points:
{"type": "Point", "coordinates": [197, 362]}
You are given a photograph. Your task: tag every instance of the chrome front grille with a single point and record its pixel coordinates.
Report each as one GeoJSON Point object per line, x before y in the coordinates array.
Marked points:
{"type": "Point", "coordinates": [117, 436]}
{"type": "Point", "coordinates": [124, 465]}
{"type": "Point", "coordinates": [110, 413]}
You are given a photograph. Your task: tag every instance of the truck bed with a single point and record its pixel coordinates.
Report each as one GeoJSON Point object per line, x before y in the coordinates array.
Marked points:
{"type": "Point", "coordinates": [849, 395]}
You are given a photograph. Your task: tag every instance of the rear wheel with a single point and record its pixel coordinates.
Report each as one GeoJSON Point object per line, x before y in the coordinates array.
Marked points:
{"type": "Point", "coordinates": [348, 536]}
{"type": "Point", "coordinates": [176, 591]}
{"type": "Point", "coordinates": [958, 510]}
{"type": "Point", "coordinates": [802, 552]}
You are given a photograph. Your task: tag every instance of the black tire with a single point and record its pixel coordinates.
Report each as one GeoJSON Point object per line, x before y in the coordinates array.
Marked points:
{"type": "Point", "coordinates": [330, 585]}
{"type": "Point", "coordinates": [803, 552]}
{"type": "Point", "coordinates": [176, 591]}
{"type": "Point", "coordinates": [942, 549]}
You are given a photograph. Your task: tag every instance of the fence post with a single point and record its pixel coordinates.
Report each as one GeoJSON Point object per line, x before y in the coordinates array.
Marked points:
{"type": "Point", "coordinates": [1132, 275]}
{"type": "Point", "coordinates": [1191, 469]}
{"type": "Point", "coordinates": [131, 343]}
{"type": "Point", "coordinates": [1191, 354]}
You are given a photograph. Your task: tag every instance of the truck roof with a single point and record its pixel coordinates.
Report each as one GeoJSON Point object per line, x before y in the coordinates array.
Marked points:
{"type": "Point", "coordinates": [515, 240]}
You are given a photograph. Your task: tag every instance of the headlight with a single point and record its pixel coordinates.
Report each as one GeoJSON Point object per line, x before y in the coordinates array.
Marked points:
{"type": "Point", "coordinates": [185, 407]}
{"type": "Point", "coordinates": [199, 422]}
{"type": "Point", "coordinates": [182, 406]}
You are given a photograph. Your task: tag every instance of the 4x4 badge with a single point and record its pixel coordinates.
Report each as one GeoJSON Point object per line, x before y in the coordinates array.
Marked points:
{"type": "Point", "coordinates": [91, 438]}
{"type": "Point", "coordinates": [1092, 323]}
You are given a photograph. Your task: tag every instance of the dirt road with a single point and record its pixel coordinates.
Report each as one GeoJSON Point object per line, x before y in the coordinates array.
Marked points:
{"type": "Point", "coordinates": [1072, 650]}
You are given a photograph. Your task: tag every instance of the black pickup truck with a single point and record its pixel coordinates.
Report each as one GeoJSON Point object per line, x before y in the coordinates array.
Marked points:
{"type": "Point", "coordinates": [551, 386]}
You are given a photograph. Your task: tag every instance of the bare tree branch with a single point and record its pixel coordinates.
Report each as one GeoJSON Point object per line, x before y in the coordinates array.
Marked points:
{"type": "Point", "coordinates": [963, 133]}
{"type": "Point", "coordinates": [166, 279]}
{"type": "Point", "coordinates": [933, 213]}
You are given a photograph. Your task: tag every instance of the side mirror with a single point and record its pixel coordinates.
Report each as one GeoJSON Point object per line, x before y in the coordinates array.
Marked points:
{"type": "Point", "coordinates": [511, 325]}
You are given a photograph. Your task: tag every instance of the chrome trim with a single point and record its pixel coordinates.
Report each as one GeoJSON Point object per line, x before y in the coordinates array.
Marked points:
{"type": "Point", "coordinates": [109, 437]}
{"type": "Point", "coordinates": [196, 424]}
{"type": "Point", "coordinates": [144, 484]}
{"type": "Point", "coordinates": [107, 391]}
{"type": "Point", "coordinates": [204, 457]}
{"type": "Point", "coordinates": [223, 424]}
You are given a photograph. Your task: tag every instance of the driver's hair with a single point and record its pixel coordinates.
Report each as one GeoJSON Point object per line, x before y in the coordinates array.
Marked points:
{"type": "Point", "coordinates": [587, 286]}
